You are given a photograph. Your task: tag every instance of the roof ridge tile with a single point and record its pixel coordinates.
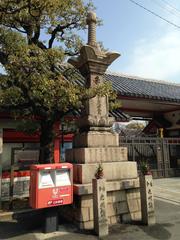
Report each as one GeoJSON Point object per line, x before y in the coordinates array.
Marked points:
{"type": "Point", "coordinates": [134, 77]}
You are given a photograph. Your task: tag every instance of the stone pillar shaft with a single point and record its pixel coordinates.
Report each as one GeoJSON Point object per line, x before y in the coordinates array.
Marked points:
{"type": "Point", "coordinates": [147, 200]}
{"type": "Point", "coordinates": [100, 207]}
{"type": "Point", "coordinates": [92, 34]}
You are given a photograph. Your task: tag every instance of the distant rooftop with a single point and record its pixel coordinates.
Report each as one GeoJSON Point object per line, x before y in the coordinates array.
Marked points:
{"type": "Point", "coordinates": [133, 86]}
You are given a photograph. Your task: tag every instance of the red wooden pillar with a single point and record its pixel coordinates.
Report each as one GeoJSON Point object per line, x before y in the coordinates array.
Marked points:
{"type": "Point", "coordinates": [56, 144]}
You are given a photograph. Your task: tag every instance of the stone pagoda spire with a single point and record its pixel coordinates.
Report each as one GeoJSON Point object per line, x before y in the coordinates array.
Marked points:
{"type": "Point", "coordinates": [91, 53]}
{"type": "Point", "coordinates": [92, 63]}
{"type": "Point", "coordinates": [91, 22]}
{"type": "Point", "coordinates": [95, 144]}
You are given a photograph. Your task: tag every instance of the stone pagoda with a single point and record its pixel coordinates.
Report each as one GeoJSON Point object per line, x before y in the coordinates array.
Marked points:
{"type": "Point", "coordinates": [95, 144]}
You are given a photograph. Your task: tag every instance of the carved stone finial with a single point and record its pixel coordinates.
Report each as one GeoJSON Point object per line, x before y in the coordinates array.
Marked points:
{"type": "Point", "coordinates": [91, 21]}
{"type": "Point", "coordinates": [91, 17]}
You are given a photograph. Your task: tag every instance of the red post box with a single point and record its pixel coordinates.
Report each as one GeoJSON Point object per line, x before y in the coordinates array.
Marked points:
{"type": "Point", "coordinates": [51, 185]}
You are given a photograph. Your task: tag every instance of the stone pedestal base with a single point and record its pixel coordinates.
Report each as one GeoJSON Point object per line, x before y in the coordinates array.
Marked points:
{"type": "Point", "coordinates": [96, 154]}
{"type": "Point", "coordinates": [123, 204]}
{"type": "Point", "coordinates": [84, 173]}
{"type": "Point", "coordinates": [96, 139]}
{"type": "Point", "coordinates": [123, 196]}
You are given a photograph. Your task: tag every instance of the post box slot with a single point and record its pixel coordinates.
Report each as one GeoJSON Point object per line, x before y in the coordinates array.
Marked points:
{"type": "Point", "coordinates": [46, 179]}
{"type": "Point", "coordinates": [63, 177]}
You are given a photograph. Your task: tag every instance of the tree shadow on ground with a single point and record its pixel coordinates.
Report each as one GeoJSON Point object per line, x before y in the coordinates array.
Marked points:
{"type": "Point", "coordinates": [21, 224]}
{"type": "Point", "coordinates": [158, 231]}
{"type": "Point", "coordinates": [31, 224]}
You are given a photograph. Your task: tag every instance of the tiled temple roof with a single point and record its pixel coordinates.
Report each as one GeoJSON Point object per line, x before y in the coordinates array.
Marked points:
{"type": "Point", "coordinates": [133, 86]}
{"type": "Point", "coordinates": [129, 86]}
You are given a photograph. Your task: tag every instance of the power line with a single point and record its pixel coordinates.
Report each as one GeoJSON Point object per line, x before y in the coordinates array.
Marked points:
{"type": "Point", "coordinates": [167, 8]}
{"type": "Point", "coordinates": [170, 5]}
{"type": "Point", "coordinates": [155, 14]}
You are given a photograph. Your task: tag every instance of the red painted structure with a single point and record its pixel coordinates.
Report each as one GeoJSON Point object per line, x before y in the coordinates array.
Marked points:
{"type": "Point", "coordinates": [13, 136]}
{"type": "Point", "coordinates": [51, 185]}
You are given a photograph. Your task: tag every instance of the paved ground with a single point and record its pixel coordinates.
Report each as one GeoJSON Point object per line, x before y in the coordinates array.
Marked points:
{"type": "Point", "coordinates": [167, 189]}
{"type": "Point", "coordinates": [167, 206]}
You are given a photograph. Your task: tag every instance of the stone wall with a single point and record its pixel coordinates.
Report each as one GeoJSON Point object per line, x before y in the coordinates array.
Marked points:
{"type": "Point", "coordinates": [123, 204]}
{"type": "Point", "coordinates": [122, 182]}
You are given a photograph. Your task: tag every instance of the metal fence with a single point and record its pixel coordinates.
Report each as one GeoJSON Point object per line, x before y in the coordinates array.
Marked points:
{"type": "Point", "coordinates": [161, 154]}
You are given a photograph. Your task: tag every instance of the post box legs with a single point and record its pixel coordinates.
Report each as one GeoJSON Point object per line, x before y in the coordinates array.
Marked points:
{"type": "Point", "coordinates": [50, 220]}
{"type": "Point", "coordinates": [51, 185]}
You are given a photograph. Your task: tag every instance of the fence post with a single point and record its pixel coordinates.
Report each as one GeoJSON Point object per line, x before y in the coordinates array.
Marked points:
{"type": "Point", "coordinates": [166, 157]}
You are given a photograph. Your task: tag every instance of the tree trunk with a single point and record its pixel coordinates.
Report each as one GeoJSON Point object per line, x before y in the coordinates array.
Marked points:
{"type": "Point", "coordinates": [46, 142]}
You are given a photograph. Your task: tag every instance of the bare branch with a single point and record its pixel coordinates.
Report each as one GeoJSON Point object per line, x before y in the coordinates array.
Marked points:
{"type": "Point", "coordinates": [35, 38]}
{"type": "Point", "coordinates": [61, 29]}
{"type": "Point", "coordinates": [14, 27]}
{"type": "Point", "coordinates": [41, 45]}
{"type": "Point", "coordinates": [71, 54]}
{"type": "Point", "coordinates": [36, 33]}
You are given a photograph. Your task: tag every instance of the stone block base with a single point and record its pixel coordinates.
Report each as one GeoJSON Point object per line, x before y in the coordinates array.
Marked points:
{"type": "Point", "coordinates": [84, 173]}
{"type": "Point", "coordinates": [96, 155]}
{"type": "Point", "coordinates": [123, 206]}
{"type": "Point", "coordinates": [85, 189]}
{"type": "Point", "coordinates": [96, 139]}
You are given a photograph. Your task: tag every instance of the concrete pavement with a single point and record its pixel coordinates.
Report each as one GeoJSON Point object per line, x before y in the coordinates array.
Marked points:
{"type": "Point", "coordinates": [167, 189]}
{"type": "Point", "coordinates": [167, 227]}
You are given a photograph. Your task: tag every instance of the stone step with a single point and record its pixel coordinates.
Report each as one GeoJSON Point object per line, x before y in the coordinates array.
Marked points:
{"type": "Point", "coordinates": [84, 173]}
{"type": "Point", "coordinates": [96, 139]}
{"type": "Point", "coordinates": [86, 189]}
{"type": "Point", "coordinates": [96, 155]}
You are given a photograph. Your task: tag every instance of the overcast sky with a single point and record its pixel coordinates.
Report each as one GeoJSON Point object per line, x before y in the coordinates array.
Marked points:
{"type": "Point", "coordinates": [150, 47]}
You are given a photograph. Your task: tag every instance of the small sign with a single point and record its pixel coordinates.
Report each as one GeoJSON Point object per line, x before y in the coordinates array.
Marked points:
{"type": "Point", "coordinates": [55, 202]}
